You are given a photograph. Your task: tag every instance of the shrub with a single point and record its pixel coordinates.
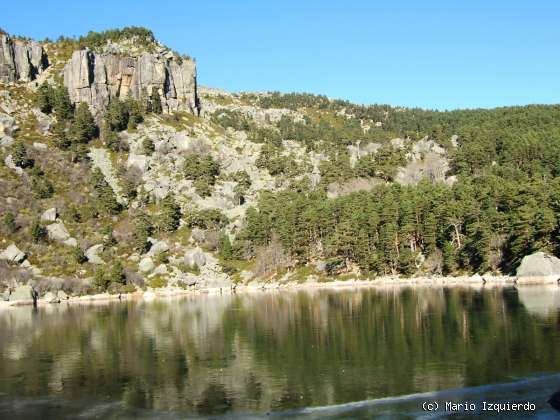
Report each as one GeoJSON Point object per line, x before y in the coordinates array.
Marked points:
{"type": "Point", "coordinates": [78, 255]}
{"type": "Point", "coordinates": [19, 155]}
{"type": "Point", "coordinates": [157, 282]}
{"type": "Point", "coordinates": [41, 187]}
{"type": "Point", "coordinates": [148, 147]}
{"type": "Point", "coordinates": [9, 222]}
{"type": "Point", "coordinates": [37, 232]}
{"type": "Point", "coordinates": [206, 219]}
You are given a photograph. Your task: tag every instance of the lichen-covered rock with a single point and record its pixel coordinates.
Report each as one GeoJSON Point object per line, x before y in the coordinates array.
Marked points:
{"type": "Point", "coordinates": [539, 268]}
{"type": "Point", "coordinates": [12, 254]}
{"type": "Point", "coordinates": [20, 60]}
{"type": "Point", "coordinates": [95, 78]}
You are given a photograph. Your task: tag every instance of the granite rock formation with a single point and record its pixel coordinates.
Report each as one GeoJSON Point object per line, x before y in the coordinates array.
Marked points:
{"type": "Point", "coordinates": [95, 78]}
{"type": "Point", "coordinates": [20, 60]}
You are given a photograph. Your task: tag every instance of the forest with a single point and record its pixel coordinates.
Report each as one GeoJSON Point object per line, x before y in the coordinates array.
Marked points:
{"type": "Point", "coordinates": [503, 206]}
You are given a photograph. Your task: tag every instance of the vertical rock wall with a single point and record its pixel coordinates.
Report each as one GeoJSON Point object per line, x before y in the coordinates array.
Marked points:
{"type": "Point", "coordinates": [20, 60]}
{"type": "Point", "coordinates": [96, 78]}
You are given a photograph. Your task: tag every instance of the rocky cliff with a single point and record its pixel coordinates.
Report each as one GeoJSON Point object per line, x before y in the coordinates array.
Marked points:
{"type": "Point", "coordinates": [20, 60]}
{"type": "Point", "coordinates": [95, 78]}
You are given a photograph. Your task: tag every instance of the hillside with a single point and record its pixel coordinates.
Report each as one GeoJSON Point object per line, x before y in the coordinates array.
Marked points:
{"type": "Point", "coordinates": [119, 172]}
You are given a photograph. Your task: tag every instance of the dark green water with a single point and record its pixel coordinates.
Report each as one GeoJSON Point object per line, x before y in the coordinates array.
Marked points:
{"type": "Point", "coordinates": [250, 354]}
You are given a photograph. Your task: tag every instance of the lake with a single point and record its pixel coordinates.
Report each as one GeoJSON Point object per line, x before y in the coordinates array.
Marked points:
{"type": "Point", "coordinates": [321, 353]}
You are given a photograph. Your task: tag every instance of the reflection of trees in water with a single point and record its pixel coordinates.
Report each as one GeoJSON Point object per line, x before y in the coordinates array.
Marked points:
{"type": "Point", "coordinates": [211, 354]}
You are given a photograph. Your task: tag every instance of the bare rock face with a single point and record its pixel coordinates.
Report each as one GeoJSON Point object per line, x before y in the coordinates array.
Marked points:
{"type": "Point", "coordinates": [538, 268]}
{"type": "Point", "coordinates": [20, 60]}
{"type": "Point", "coordinates": [95, 78]}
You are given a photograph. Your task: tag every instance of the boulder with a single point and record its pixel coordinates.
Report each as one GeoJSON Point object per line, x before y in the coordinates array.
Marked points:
{"type": "Point", "coordinates": [538, 268]}
{"type": "Point", "coordinates": [61, 295]}
{"type": "Point", "coordinates": [8, 124]}
{"type": "Point", "coordinates": [9, 162]}
{"type": "Point", "coordinates": [72, 242]}
{"type": "Point", "coordinates": [6, 141]}
{"type": "Point", "coordinates": [58, 232]}
{"type": "Point", "coordinates": [42, 147]}
{"type": "Point", "coordinates": [146, 265]}
{"type": "Point", "coordinates": [92, 254]}
{"type": "Point", "coordinates": [12, 254]}
{"type": "Point", "coordinates": [50, 297]}
{"type": "Point", "coordinates": [157, 248]}
{"type": "Point", "coordinates": [23, 294]}
{"type": "Point", "coordinates": [49, 215]}
{"type": "Point", "coordinates": [195, 257]}
{"type": "Point", "coordinates": [161, 269]}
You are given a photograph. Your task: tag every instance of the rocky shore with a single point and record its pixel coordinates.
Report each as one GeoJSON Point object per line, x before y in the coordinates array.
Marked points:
{"type": "Point", "coordinates": [24, 294]}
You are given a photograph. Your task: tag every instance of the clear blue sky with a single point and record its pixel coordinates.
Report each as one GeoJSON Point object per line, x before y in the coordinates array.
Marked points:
{"type": "Point", "coordinates": [432, 54]}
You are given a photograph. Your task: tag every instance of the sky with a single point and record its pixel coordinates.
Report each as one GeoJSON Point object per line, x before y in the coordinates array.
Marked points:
{"type": "Point", "coordinates": [432, 54]}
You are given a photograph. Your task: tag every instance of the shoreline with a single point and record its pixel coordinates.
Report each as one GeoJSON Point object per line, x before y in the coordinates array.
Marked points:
{"type": "Point", "coordinates": [380, 282]}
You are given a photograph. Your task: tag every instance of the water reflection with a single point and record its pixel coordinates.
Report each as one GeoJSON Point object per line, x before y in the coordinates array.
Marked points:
{"type": "Point", "coordinates": [252, 353]}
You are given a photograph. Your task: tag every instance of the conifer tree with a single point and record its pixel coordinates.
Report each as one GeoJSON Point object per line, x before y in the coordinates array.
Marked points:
{"type": "Point", "coordinates": [155, 101]}
{"type": "Point", "coordinates": [170, 215]}
{"type": "Point", "coordinates": [83, 127]}
{"type": "Point", "coordinates": [62, 104]}
{"type": "Point", "coordinates": [45, 96]}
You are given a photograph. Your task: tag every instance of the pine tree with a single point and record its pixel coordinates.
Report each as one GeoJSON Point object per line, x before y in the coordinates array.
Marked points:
{"type": "Point", "coordinates": [449, 263]}
{"type": "Point", "coordinates": [116, 116]}
{"type": "Point", "coordinates": [225, 248]}
{"type": "Point", "coordinates": [155, 101]}
{"type": "Point", "coordinates": [19, 155]}
{"type": "Point", "coordinates": [105, 195]}
{"type": "Point", "coordinates": [142, 230]}
{"type": "Point", "coordinates": [60, 134]}
{"type": "Point", "coordinates": [45, 96]}
{"type": "Point", "coordinates": [62, 104]}
{"type": "Point", "coordinates": [83, 128]}
{"type": "Point", "coordinates": [135, 116]}
{"type": "Point", "coordinates": [170, 215]}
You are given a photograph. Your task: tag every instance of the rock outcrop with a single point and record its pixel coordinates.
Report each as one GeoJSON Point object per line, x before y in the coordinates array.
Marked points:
{"type": "Point", "coordinates": [538, 268]}
{"type": "Point", "coordinates": [20, 60]}
{"type": "Point", "coordinates": [95, 78]}
{"type": "Point", "coordinates": [12, 254]}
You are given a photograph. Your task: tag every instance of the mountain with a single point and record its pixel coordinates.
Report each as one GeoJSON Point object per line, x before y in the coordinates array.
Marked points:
{"type": "Point", "coordinates": [119, 173]}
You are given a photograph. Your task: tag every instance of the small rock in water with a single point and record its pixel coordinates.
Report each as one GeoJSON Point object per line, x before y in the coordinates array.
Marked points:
{"type": "Point", "coordinates": [554, 400]}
